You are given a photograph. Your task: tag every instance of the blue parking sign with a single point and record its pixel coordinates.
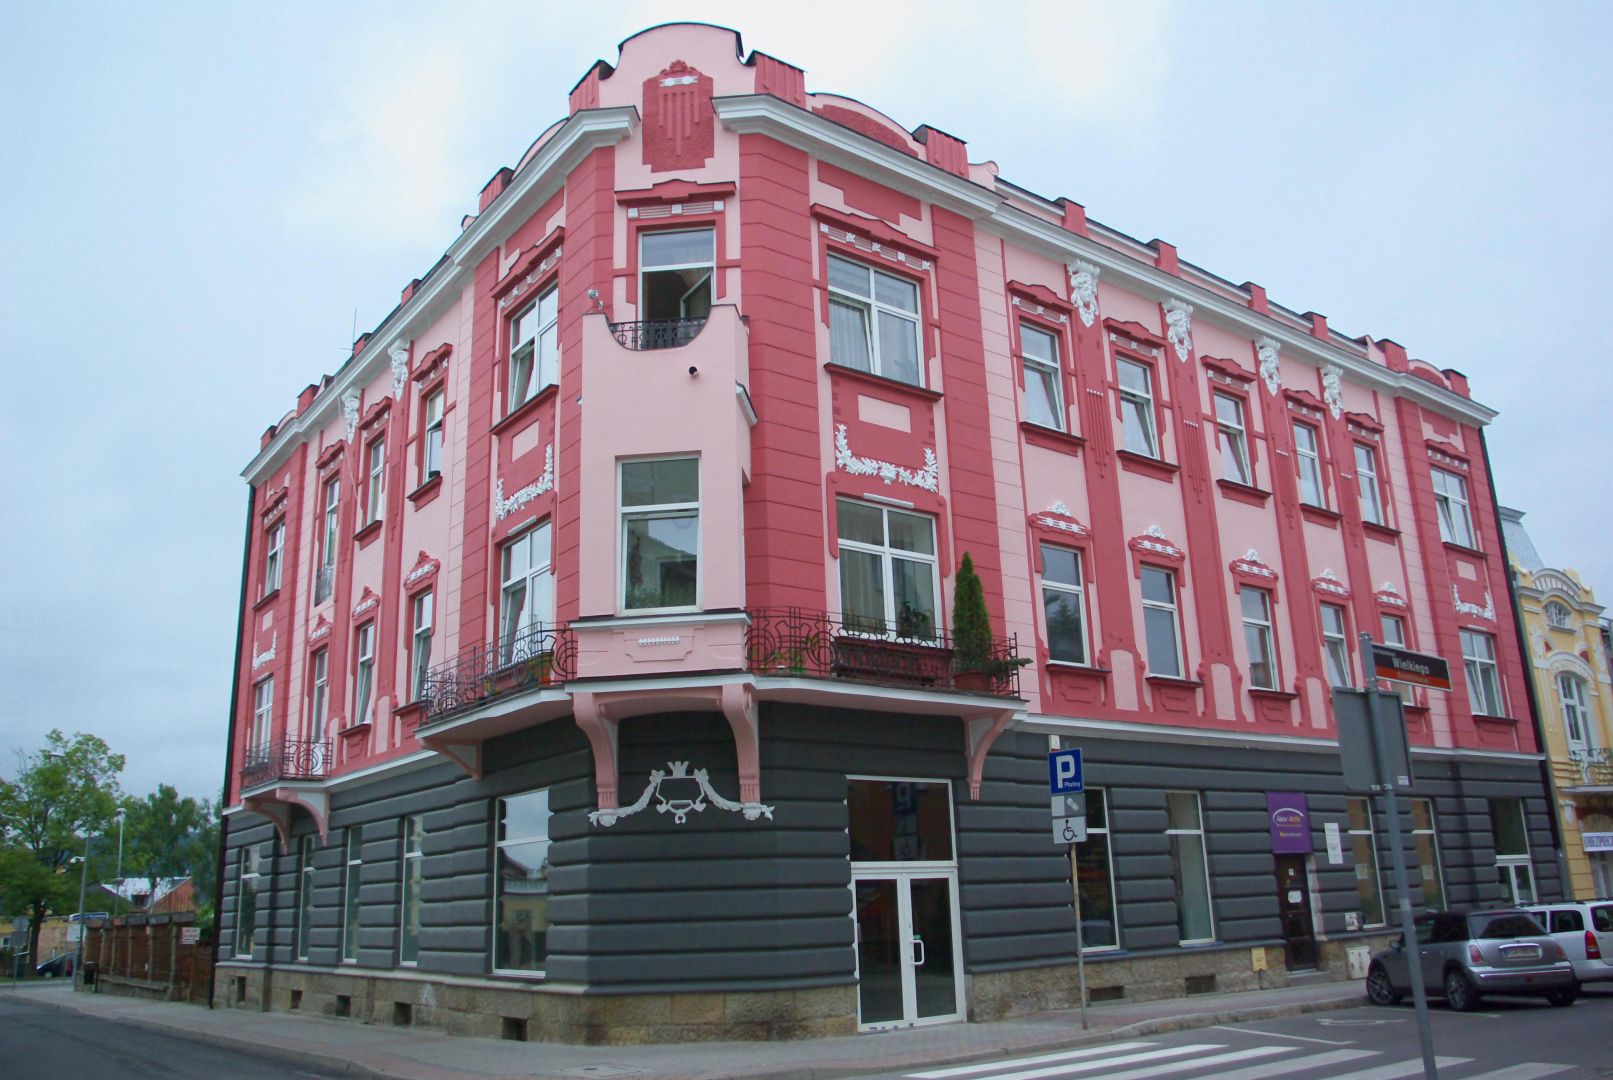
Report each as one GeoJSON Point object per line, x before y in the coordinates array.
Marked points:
{"type": "Point", "coordinates": [1064, 772]}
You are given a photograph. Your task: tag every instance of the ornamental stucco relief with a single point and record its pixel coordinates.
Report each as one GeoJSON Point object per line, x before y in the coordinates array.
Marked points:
{"type": "Point", "coordinates": [1179, 327]}
{"type": "Point", "coordinates": [1266, 350]}
{"type": "Point", "coordinates": [927, 478]}
{"type": "Point", "coordinates": [680, 793]}
{"type": "Point", "coordinates": [1084, 290]}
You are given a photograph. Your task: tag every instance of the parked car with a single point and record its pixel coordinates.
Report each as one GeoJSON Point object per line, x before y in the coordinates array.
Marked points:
{"type": "Point", "coordinates": [1467, 954]}
{"type": "Point", "coordinates": [1585, 931]}
{"type": "Point", "coordinates": [59, 965]}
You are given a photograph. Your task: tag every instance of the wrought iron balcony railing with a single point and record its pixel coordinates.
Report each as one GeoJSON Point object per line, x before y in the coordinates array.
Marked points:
{"type": "Point", "coordinates": [656, 333]}
{"type": "Point", "coordinates": [285, 759]}
{"type": "Point", "coordinates": [818, 644]}
{"type": "Point", "coordinates": [540, 655]}
{"type": "Point", "coordinates": [324, 583]}
{"type": "Point", "coordinates": [1595, 765]}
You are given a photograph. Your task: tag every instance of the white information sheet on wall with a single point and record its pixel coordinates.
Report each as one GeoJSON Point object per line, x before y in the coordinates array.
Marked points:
{"type": "Point", "coordinates": [1335, 845]}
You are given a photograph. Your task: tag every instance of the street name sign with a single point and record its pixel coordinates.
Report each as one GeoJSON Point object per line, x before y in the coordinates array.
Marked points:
{"type": "Point", "coordinates": [1402, 665]}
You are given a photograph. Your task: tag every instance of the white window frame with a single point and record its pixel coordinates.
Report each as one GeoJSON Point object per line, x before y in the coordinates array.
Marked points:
{"type": "Point", "coordinates": [262, 712]}
{"type": "Point", "coordinates": [542, 370]}
{"type": "Point", "coordinates": [1308, 462]}
{"type": "Point", "coordinates": [1265, 629]}
{"type": "Point", "coordinates": [1101, 795]}
{"type": "Point", "coordinates": [1453, 509]}
{"type": "Point", "coordinates": [1397, 623]}
{"type": "Point", "coordinates": [1336, 646]}
{"type": "Point", "coordinates": [527, 615]}
{"type": "Point", "coordinates": [1370, 833]}
{"type": "Point", "coordinates": [873, 308]}
{"type": "Point", "coordinates": [1076, 590]}
{"type": "Point", "coordinates": [1048, 369]}
{"type": "Point", "coordinates": [1143, 400]}
{"type": "Point", "coordinates": [1204, 850]}
{"type": "Point", "coordinates": [1509, 863]}
{"type": "Point", "coordinates": [1576, 712]}
{"type": "Point", "coordinates": [1558, 617]}
{"type": "Point", "coordinates": [1432, 833]}
{"type": "Point", "coordinates": [708, 265]}
{"type": "Point", "coordinates": [1373, 509]}
{"type": "Point", "coordinates": [352, 884]}
{"type": "Point", "coordinates": [626, 514]}
{"type": "Point", "coordinates": [498, 845]}
{"type": "Point", "coordinates": [431, 456]}
{"type": "Point", "coordinates": [887, 555]}
{"type": "Point", "coordinates": [375, 490]}
{"type": "Point", "coordinates": [1175, 609]}
{"type": "Point", "coordinates": [410, 881]}
{"type": "Point", "coordinates": [333, 505]}
{"type": "Point", "coordinates": [272, 555]}
{"type": "Point", "coordinates": [1482, 672]}
{"type": "Point", "coordinates": [319, 699]}
{"type": "Point", "coordinates": [1235, 433]}
{"type": "Point", "coordinates": [305, 895]}
{"type": "Point", "coordinates": [363, 672]}
{"type": "Point", "coordinates": [424, 609]}
{"type": "Point", "coordinates": [249, 871]}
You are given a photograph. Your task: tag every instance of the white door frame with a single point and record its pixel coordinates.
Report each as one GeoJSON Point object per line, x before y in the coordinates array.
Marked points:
{"type": "Point", "coordinates": [904, 874]}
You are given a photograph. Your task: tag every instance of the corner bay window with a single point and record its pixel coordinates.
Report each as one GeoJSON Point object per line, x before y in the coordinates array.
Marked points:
{"type": "Point", "coordinates": [888, 573]}
{"type": "Point", "coordinates": [1100, 918]}
{"type": "Point", "coordinates": [352, 873]}
{"type": "Point", "coordinates": [1450, 503]}
{"type": "Point", "coordinates": [1368, 887]}
{"type": "Point", "coordinates": [1483, 681]}
{"type": "Point", "coordinates": [1234, 438]}
{"type": "Point", "coordinates": [521, 878]}
{"type": "Point", "coordinates": [1137, 408]}
{"type": "Point", "coordinates": [660, 538]}
{"type": "Point", "coordinates": [1257, 637]}
{"type": "Point", "coordinates": [1190, 867]}
{"type": "Point", "coordinates": [1161, 626]}
{"type": "Point", "coordinates": [1064, 605]}
{"type": "Point", "coordinates": [675, 272]}
{"type": "Point", "coordinates": [534, 349]}
{"type": "Point", "coordinates": [1308, 459]}
{"type": "Point", "coordinates": [1044, 394]}
{"type": "Point", "coordinates": [1335, 645]}
{"type": "Point", "coordinates": [874, 321]}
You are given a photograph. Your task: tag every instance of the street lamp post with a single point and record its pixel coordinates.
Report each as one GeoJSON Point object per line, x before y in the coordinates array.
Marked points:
{"type": "Point", "coordinates": [117, 903]}
{"type": "Point", "coordinates": [83, 883]}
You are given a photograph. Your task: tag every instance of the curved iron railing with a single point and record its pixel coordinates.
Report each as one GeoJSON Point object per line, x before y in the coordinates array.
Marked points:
{"type": "Point", "coordinates": [656, 333]}
{"type": "Point", "coordinates": [285, 759]}
{"type": "Point", "coordinates": [1595, 764]}
{"type": "Point", "coordinates": [540, 655]}
{"type": "Point", "coordinates": [821, 644]}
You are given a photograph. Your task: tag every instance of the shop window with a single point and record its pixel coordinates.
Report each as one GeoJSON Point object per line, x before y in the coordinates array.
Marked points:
{"type": "Point", "coordinates": [1425, 839]}
{"type": "Point", "coordinates": [1513, 867]}
{"type": "Point", "coordinates": [414, 831]}
{"type": "Point", "coordinates": [899, 820]}
{"type": "Point", "coordinates": [1100, 916]}
{"type": "Point", "coordinates": [521, 883]}
{"type": "Point", "coordinates": [1368, 885]}
{"type": "Point", "coordinates": [246, 900]}
{"type": "Point", "coordinates": [305, 895]}
{"type": "Point", "coordinates": [352, 873]}
{"type": "Point", "coordinates": [1190, 867]}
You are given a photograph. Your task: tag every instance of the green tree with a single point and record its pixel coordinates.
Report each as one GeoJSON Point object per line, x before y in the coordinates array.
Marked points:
{"type": "Point", "coordinates": [971, 624]}
{"type": "Point", "coordinates": [62, 793]}
{"type": "Point", "coordinates": [164, 834]}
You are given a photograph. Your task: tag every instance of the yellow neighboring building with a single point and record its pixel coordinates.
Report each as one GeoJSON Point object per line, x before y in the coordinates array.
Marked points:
{"type": "Point", "coordinates": [1568, 649]}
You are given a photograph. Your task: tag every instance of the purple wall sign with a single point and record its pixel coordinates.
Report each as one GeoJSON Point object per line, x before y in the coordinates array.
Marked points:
{"type": "Point", "coordinates": [1290, 822]}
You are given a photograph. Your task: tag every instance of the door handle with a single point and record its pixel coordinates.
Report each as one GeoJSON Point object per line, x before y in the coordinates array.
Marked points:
{"type": "Point", "coordinates": [918, 945]}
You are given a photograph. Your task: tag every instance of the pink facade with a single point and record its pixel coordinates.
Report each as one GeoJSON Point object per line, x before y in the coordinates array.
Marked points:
{"type": "Point", "coordinates": [1116, 456]}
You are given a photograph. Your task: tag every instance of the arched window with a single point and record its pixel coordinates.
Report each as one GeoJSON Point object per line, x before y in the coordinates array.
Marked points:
{"type": "Point", "coordinates": [1576, 717]}
{"type": "Point", "coordinates": [1557, 614]}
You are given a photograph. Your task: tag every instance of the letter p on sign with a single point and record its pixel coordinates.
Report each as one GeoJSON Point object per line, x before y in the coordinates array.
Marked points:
{"type": "Point", "coordinates": [1064, 772]}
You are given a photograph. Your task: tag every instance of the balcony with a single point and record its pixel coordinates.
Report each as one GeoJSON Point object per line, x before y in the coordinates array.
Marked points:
{"type": "Point", "coordinates": [324, 582]}
{"type": "Point", "coordinates": [1594, 767]}
{"type": "Point", "coordinates": [285, 759]}
{"type": "Point", "coordinates": [792, 642]}
{"type": "Point", "coordinates": [656, 334]}
{"type": "Point", "coordinates": [536, 657]}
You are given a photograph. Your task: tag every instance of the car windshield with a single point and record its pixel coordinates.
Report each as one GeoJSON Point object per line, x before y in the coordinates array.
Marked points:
{"type": "Point", "coordinates": [1507, 926]}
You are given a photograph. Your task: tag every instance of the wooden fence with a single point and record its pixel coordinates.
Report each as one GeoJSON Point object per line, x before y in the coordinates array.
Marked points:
{"type": "Point", "coordinates": [151, 956]}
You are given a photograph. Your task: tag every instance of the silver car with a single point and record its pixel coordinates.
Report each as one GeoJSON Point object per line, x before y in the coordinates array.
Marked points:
{"type": "Point", "coordinates": [1585, 931]}
{"type": "Point", "coordinates": [1467, 954]}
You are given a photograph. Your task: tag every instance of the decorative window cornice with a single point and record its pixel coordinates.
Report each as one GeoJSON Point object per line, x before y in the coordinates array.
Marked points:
{"type": "Point", "coordinates": [1227, 371]}
{"type": "Point", "coordinates": [529, 268]}
{"type": "Point", "coordinates": [367, 602]}
{"type": "Point", "coordinates": [423, 574]}
{"type": "Point", "coordinates": [1446, 454]}
{"type": "Point", "coordinates": [1329, 584]}
{"type": "Point", "coordinates": [1059, 517]}
{"type": "Point", "coordinates": [330, 455]}
{"type": "Point", "coordinates": [1154, 545]}
{"type": "Point", "coordinates": [432, 363]}
{"type": "Point", "coordinates": [1388, 596]}
{"type": "Point", "coordinates": [1253, 568]}
{"type": "Point", "coordinates": [927, 478]}
{"type": "Point", "coordinates": [1040, 310]}
{"type": "Point", "coordinates": [321, 630]}
{"type": "Point", "coordinates": [503, 508]}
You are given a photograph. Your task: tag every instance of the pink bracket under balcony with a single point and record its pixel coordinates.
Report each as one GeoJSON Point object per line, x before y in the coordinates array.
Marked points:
{"type": "Point", "coordinates": [980, 731]}
{"type": "Point", "coordinates": [277, 804]}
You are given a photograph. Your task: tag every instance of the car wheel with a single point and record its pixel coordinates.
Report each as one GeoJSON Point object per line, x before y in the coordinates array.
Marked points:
{"type": "Point", "coordinates": [1460, 993]}
{"type": "Point", "coordinates": [1380, 991]}
{"type": "Point", "coordinates": [1564, 997]}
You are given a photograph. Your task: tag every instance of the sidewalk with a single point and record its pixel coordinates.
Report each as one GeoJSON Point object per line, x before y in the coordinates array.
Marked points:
{"type": "Point", "coordinates": [407, 1054]}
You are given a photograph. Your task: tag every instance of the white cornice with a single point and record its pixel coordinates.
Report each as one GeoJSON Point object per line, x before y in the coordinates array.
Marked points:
{"type": "Point", "coordinates": [579, 136]}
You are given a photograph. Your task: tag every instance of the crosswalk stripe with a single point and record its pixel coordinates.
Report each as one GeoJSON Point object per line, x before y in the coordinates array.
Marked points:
{"type": "Point", "coordinates": [1026, 1062]}
{"type": "Point", "coordinates": [1149, 1071]}
{"type": "Point", "coordinates": [1107, 1062]}
{"type": "Point", "coordinates": [1410, 1067]}
{"type": "Point", "coordinates": [1289, 1066]}
{"type": "Point", "coordinates": [1529, 1070]}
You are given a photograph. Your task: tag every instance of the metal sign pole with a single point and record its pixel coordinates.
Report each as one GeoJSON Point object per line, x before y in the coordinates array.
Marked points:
{"type": "Point", "coordinates": [1080, 943]}
{"type": "Point", "coordinates": [1386, 777]}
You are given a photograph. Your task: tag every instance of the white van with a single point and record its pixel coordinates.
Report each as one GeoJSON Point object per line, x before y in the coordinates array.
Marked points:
{"type": "Point", "coordinates": [1585, 931]}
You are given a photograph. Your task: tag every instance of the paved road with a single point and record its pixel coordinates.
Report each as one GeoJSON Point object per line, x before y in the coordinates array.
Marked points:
{"type": "Point", "coordinates": [45, 1043]}
{"type": "Point", "coordinates": [1514, 1039]}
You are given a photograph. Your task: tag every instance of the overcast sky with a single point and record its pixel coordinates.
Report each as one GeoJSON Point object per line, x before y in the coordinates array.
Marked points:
{"type": "Point", "coordinates": [195, 199]}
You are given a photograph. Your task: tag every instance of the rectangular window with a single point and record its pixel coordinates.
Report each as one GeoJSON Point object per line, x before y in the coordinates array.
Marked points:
{"type": "Point", "coordinates": [363, 682]}
{"type": "Point", "coordinates": [320, 695]}
{"type": "Point", "coordinates": [534, 349]}
{"type": "Point", "coordinates": [888, 571]}
{"type": "Point", "coordinates": [271, 559]}
{"type": "Point", "coordinates": [675, 274]}
{"type": "Point", "coordinates": [352, 874]}
{"type": "Point", "coordinates": [1510, 830]}
{"type": "Point", "coordinates": [1044, 389]}
{"type": "Point", "coordinates": [431, 458]}
{"type": "Point", "coordinates": [246, 901]}
{"type": "Point", "coordinates": [262, 712]}
{"type": "Point", "coordinates": [874, 321]}
{"type": "Point", "coordinates": [420, 646]}
{"type": "Point", "coordinates": [1366, 478]}
{"type": "Point", "coordinates": [1190, 867]}
{"type": "Point", "coordinates": [1483, 678]}
{"type": "Point", "coordinates": [305, 894]}
{"type": "Point", "coordinates": [414, 831]}
{"type": "Point", "coordinates": [1234, 439]}
{"type": "Point", "coordinates": [1425, 839]}
{"type": "Point", "coordinates": [1308, 457]}
{"type": "Point", "coordinates": [1450, 501]}
{"type": "Point", "coordinates": [1100, 917]}
{"type": "Point", "coordinates": [526, 595]}
{"type": "Point", "coordinates": [1336, 646]}
{"type": "Point", "coordinates": [521, 903]}
{"type": "Point", "coordinates": [1367, 885]}
{"type": "Point", "coordinates": [1392, 631]}
{"type": "Point", "coordinates": [1257, 637]}
{"type": "Point", "coordinates": [329, 540]}
{"type": "Point", "coordinates": [660, 512]}
{"type": "Point", "coordinates": [1064, 605]}
{"type": "Point", "coordinates": [1161, 625]}
{"type": "Point", "coordinates": [1576, 720]}
{"type": "Point", "coordinates": [375, 501]}
{"type": "Point", "coordinates": [1137, 408]}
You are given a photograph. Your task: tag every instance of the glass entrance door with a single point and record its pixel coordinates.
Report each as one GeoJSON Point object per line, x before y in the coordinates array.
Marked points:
{"type": "Point", "coordinates": [907, 959]}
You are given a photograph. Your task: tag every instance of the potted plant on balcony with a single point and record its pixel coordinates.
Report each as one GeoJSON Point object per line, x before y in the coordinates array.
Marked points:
{"type": "Point", "coordinates": [979, 666]}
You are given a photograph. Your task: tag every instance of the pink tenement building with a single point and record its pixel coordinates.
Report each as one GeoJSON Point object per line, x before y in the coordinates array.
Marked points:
{"type": "Point", "coordinates": [597, 675]}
